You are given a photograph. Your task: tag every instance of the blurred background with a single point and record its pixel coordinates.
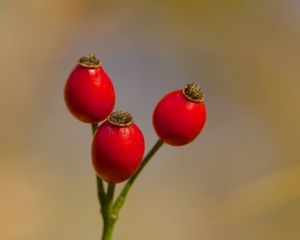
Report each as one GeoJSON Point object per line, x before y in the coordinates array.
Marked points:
{"type": "Point", "coordinates": [240, 180]}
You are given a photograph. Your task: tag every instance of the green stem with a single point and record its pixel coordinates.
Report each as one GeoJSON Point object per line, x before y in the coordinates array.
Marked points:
{"type": "Point", "coordinates": [100, 186]}
{"type": "Point", "coordinates": [122, 197]}
{"type": "Point", "coordinates": [109, 218]}
{"type": "Point", "coordinates": [100, 191]}
{"type": "Point", "coordinates": [110, 196]}
{"type": "Point", "coordinates": [108, 227]}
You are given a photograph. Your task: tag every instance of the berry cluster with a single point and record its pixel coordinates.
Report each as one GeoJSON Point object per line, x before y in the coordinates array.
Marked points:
{"type": "Point", "coordinates": [118, 145]}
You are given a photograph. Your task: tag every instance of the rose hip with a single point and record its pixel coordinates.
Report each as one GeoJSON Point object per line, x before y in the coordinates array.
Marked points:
{"type": "Point", "coordinates": [118, 148]}
{"type": "Point", "coordinates": [180, 115]}
{"type": "Point", "coordinates": [89, 93]}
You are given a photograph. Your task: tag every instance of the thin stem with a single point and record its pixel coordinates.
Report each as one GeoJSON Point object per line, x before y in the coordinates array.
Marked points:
{"type": "Point", "coordinates": [110, 195]}
{"type": "Point", "coordinates": [100, 191]}
{"type": "Point", "coordinates": [108, 227]}
{"type": "Point", "coordinates": [109, 218]}
{"type": "Point", "coordinates": [122, 197]}
{"type": "Point", "coordinates": [100, 186]}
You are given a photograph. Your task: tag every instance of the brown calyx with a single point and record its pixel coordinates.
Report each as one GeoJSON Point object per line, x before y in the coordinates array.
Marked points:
{"type": "Point", "coordinates": [120, 118]}
{"type": "Point", "coordinates": [89, 61]}
{"type": "Point", "coordinates": [193, 92]}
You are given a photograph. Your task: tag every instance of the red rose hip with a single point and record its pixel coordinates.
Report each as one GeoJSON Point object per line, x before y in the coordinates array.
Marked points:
{"type": "Point", "coordinates": [89, 93]}
{"type": "Point", "coordinates": [118, 148]}
{"type": "Point", "coordinates": [180, 115]}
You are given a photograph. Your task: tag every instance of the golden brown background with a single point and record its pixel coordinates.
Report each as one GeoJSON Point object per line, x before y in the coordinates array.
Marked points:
{"type": "Point", "coordinates": [240, 180]}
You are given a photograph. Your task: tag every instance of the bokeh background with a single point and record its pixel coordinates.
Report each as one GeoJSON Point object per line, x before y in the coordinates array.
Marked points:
{"type": "Point", "coordinates": [240, 180]}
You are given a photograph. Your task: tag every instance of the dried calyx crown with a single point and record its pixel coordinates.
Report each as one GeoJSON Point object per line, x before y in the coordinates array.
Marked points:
{"type": "Point", "coordinates": [120, 118]}
{"type": "Point", "coordinates": [193, 92]}
{"type": "Point", "coordinates": [89, 61]}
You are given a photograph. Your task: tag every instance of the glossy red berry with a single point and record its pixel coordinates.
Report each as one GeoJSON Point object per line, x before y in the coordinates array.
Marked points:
{"type": "Point", "coordinates": [118, 148]}
{"type": "Point", "coordinates": [180, 115]}
{"type": "Point", "coordinates": [89, 93]}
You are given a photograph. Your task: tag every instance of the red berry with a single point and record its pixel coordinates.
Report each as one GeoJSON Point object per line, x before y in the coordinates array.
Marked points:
{"type": "Point", "coordinates": [180, 115]}
{"type": "Point", "coordinates": [89, 93]}
{"type": "Point", "coordinates": [118, 148]}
